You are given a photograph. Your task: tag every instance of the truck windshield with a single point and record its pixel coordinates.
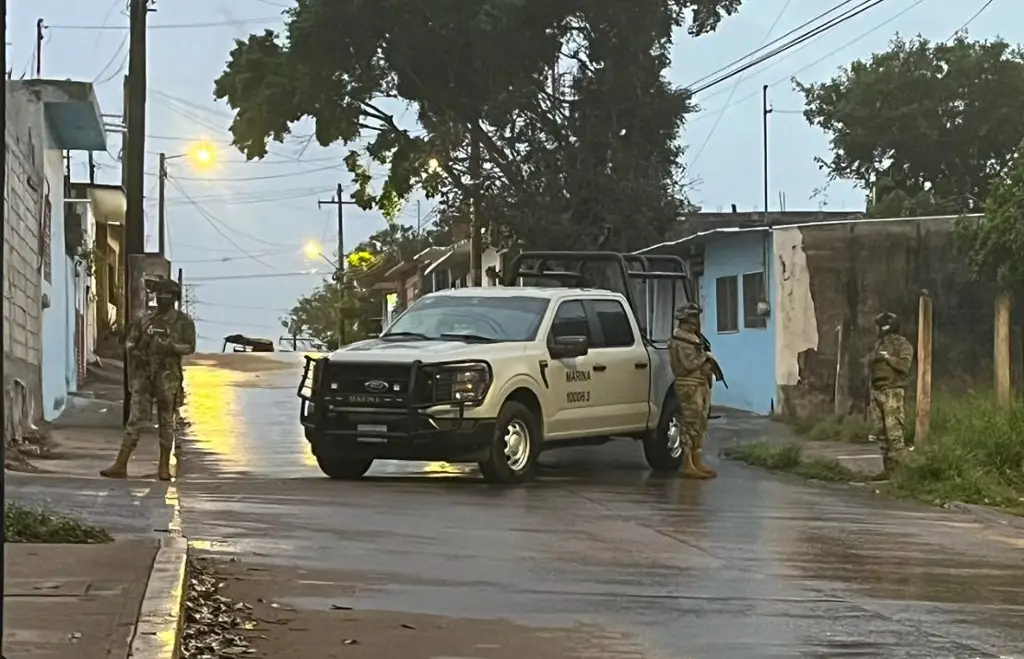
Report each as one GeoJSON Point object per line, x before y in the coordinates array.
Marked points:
{"type": "Point", "coordinates": [498, 318]}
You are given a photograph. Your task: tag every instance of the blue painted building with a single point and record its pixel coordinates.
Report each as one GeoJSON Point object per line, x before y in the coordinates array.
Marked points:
{"type": "Point", "coordinates": [734, 284]}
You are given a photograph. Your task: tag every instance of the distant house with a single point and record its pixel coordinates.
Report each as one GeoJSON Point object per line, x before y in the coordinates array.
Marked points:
{"type": "Point", "coordinates": [789, 306]}
{"type": "Point", "coordinates": [433, 269]}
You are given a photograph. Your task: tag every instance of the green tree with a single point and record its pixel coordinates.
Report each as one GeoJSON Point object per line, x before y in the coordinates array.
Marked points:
{"type": "Point", "coordinates": [592, 159]}
{"type": "Point", "coordinates": [995, 244]}
{"type": "Point", "coordinates": [924, 125]}
{"type": "Point", "coordinates": [357, 299]}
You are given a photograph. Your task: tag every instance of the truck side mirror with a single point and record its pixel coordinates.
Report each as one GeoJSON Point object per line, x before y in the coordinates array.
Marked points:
{"type": "Point", "coordinates": [568, 347]}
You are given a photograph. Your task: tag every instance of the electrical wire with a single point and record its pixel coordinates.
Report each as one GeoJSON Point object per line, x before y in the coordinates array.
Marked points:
{"type": "Point", "coordinates": [739, 80]}
{"type": "Point", "coordinates": [818, 31]}
{"type": "Point", "coordinates": [223, 305]}
{"type": "Point", "coordinates": [773, 42]}
{"type": "Point", "coordinates": [821, 59]}
{"type": "Point", "coordinates": [228, 259]}
{"type": "Point", "coordinates": [244, 179]}
{"type": "Point", "coordinates": [970, 20]}
{"type": "Point", "coordinates": [213, 222]}
{"type": "Point", "coordinates": [297, 273]}
{"type": "Point", "coordinates": [110, 62]}
{"type": "Point", "coordinates": [172, 26]}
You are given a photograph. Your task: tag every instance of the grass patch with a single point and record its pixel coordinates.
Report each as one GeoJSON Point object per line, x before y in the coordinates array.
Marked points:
{"type": "Point", "coordinates": [974, 454]}
{"type": "Point", "coordinates": [848, 428]}
{"type": "Point", "coordinates": [24, 524]}
{"type": "Point", "coordinates": [789, 458]}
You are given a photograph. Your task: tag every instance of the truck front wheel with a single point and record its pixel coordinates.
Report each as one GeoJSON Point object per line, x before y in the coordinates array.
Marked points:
{"type": "Point", "coordinates": [663, 445]}
{"type": "Point", "coordinates": [514, 447]}
{"type": "Point", "coordinates": [343, 469]}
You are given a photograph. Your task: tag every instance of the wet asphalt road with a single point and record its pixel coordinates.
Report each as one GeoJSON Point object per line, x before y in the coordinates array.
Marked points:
{"type": "Point", "coordinates": [749, 565]}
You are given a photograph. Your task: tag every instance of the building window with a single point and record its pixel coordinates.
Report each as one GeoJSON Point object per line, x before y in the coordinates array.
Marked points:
{"type": "Point", "coordinates": [753, 292]}
{"type": "Point", "coordinates": [727, 304]}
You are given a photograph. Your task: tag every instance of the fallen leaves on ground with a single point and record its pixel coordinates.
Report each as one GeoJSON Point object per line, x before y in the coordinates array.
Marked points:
{"type": "Point", "coordinates": [213, 623]}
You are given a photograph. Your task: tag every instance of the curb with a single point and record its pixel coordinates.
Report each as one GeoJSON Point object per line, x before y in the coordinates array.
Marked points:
{"type": "Point", "coordinates": [987, 515]}
{"type": "Point", "coordinates": [158, 631]}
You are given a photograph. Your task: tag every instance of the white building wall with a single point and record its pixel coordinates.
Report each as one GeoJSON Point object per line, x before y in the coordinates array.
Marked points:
{"type": "Point", "coordinates": [23, 202]}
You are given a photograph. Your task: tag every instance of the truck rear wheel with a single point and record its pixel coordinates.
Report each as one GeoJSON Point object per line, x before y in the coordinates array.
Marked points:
{"type": "Point", "coordinates": [663, 446]}
{"type": "Point", "coordinates": [344, 469]}
{"type": "Point", "coordinates": [515, 446]}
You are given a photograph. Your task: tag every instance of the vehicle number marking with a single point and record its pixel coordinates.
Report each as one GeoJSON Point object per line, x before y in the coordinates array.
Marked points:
{"type": "Point", "coordinates": [577, 397]}
{"type": "Point", "coordinates": [370, 429]}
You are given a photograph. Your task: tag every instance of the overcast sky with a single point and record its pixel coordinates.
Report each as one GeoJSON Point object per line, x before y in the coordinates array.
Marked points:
{"type": "Point", "coordinates": [231, 234]}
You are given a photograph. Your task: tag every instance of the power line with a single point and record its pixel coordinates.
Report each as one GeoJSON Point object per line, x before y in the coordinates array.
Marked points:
{"type": "Point", "coordinates": [243, 179]}
{"type": "Point", "coordinates": [970, 20]}
{"type": "Point", "coordinates": [110, 62]}
{"type": "Point", "coordinates": [835, 22]}
{"type": "Point", "coordinates": [773, 42]}
{"type": "Point", "coordinates": [171, 26]}
{"type": "Point", "coordinates": [223, 305]}
{"type": "Point", "coordinates": [213, 221]}
{"type": "Point", "coordinates": [297, 273]}
{"type": "Point", "coordinates": [732, 92]}
{"type": "Point", "coordinates": [821, 59]}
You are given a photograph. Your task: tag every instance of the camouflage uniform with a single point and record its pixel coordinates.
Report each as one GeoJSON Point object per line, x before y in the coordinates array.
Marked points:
{"type": "Point", "coordinates": [692, 365]}
{"type": "Point", "coordinates": [155, 346]}
{"type": "Point", "coordinates": [889, 366]}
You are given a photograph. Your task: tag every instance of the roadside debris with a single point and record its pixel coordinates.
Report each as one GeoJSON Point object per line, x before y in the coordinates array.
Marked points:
{"type": "Point", "coordinates": [213, 623]}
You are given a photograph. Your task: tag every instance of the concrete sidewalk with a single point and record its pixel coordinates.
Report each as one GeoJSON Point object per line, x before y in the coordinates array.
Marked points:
{"type": "Point", "coordinates": [75, 601]}
{"type": "Point", "coordinates": [86, 438]}
{"type": "Point", "coordinates": [96, 601]}
{"type": "Point", "coordinates": [734, 428]}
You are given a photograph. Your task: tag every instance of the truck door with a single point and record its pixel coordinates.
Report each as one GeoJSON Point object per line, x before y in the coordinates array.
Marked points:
{"type": "Point", "coordinates": [621, 366]}
{"type": "Point", "coordinates": [571, 380]}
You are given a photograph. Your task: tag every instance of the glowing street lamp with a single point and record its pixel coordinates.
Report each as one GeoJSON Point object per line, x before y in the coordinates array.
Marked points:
{"type": "Point", "coordinates": [202, 156]}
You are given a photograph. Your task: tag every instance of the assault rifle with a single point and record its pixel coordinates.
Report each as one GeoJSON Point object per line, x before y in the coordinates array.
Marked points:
{"type": "Point", "coordinates": [716, 368]}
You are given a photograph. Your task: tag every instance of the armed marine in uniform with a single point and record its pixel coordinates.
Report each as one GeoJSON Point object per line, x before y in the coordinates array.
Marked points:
{"type": "Point", "coordinates": [154, 348]}
{"type": "Point", "coordinates": [695, 369]}
{"type": "Point", "coordinates": [889, 364]}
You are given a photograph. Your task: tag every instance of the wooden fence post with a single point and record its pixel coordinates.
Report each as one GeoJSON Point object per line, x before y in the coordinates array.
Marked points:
{"type": "Point", "coordinates": [924, 369]}
{"type": "Point", "coordinates": [1001, 356]}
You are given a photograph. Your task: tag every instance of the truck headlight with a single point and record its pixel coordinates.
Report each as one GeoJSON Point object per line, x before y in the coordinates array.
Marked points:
{"type": "Point", "coordinates": [469, 381]}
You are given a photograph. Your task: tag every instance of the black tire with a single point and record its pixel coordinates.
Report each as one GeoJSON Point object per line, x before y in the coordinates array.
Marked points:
{"type": "Point", "coordinates": [344, 469]}
{"type": "Point", "coordinates": [498, 468]}
{"type": "Point", "coordinates": [661, 453]}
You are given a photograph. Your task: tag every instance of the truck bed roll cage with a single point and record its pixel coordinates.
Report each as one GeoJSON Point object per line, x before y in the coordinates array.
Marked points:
{"type": "Point", "coordinates": [633, 275]}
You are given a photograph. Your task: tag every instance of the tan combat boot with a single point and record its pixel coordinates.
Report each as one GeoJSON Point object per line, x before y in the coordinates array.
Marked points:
{"type": "Point", "coordinates": [689, 469]}
{"type": "Point", "coordinates": [120, 467]}
{"type": "Point", "coordinates": [698, 463]}
{"type": "Point", "coordinates": [163, 470]}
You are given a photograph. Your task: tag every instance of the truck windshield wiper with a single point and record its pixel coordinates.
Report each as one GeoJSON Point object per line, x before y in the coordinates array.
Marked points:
{"type": "Point", "coordinates": [468, 337]}
{"type": "Point", "coordinates": [406, 335]}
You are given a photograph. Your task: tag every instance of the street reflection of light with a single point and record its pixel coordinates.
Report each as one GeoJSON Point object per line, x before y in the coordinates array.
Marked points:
{"type": "Point", "coordinates": [212, 409]}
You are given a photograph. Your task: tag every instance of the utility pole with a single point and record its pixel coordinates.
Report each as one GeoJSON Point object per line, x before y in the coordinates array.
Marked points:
{"type": "Point", "coordinates": [3, 241]}
{"type": "Point", "coordinates": [134, 164]}
{"type": "Point", "coordinates": [475, 237]}
{"type": "Point", "coordinates": [339, 276]}
{"type": "Point", "coordinates": [419, 218]}
{"type": "Point", "coordinates": [39, 47]}
{"type": "Point", "coordinates": [181, 289]}
{"type": "Point", "coordinates": [161, 204]}
{"type": "Point", "coordinates": [765, 111]}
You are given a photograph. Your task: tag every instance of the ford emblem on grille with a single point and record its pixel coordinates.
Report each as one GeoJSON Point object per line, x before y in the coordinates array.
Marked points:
{"type": "Point", "coordinates": [376, 386]}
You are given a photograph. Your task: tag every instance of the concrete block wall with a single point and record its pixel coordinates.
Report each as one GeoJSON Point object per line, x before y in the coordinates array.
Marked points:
{"type": "Point", "coordinates": [22, 279]}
